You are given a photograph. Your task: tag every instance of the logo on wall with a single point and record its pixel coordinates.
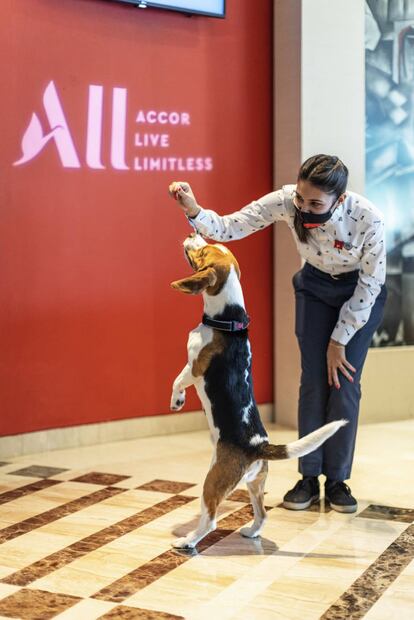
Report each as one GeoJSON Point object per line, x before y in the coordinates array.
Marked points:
{"type": "Point", "coordinates": [36, 138]}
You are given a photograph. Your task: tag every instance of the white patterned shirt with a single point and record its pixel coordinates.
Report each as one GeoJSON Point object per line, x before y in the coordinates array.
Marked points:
{"type": "Point", "coordinates": [353, 239]}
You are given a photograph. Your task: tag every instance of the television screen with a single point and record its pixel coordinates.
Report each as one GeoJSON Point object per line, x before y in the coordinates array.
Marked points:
{"type": "Point", "coordinates": [214, 8]}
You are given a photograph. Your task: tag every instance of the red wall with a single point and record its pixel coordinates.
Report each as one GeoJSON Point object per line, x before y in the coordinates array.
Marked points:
{"type": "Point", "coordinates": [90, 329]}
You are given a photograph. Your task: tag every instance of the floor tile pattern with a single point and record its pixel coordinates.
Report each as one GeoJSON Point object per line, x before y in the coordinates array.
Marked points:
{"type": "Point", "coordinates": [312, 565]}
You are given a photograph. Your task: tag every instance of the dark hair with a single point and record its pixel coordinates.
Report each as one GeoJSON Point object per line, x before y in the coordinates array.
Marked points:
{"type": "Point", "coordinates": [326, 172]}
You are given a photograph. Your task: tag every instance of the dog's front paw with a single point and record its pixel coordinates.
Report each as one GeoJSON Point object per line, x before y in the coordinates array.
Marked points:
{"type": "Point", "coordinates": [183, 543]}
{"type": "Point", "coordinates": [177, 400]}
{"type": "Point", "coordinates": [249, 532]}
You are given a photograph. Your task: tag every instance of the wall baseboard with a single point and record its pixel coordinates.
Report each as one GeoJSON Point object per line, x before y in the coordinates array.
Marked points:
{"type": "Point", "coordinates": [106, 432]}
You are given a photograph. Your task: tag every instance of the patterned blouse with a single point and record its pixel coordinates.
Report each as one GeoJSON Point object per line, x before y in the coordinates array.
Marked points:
{"type": "Point", "coordinates": [353, 239]}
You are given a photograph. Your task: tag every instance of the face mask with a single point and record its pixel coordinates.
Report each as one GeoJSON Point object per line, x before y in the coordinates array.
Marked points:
{"type": "Point", "coordinates": [313, 220]}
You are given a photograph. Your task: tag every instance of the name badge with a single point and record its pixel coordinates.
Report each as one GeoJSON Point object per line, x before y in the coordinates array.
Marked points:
{"type": "Point", "coordinates": [340, 245]}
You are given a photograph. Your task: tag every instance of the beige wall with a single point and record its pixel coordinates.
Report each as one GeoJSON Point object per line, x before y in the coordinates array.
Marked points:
{"type": "Point", "coordinates": [320, 108]}
{"type": "Point", "coordinates": [388, 385]}
{"type": "Point", "coordinates": [333, 83]}
{"type": "Point", "coordinates": [287, 157]}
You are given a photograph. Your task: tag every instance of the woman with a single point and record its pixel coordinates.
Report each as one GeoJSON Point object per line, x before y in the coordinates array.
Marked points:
{"type": "Point", "coordinates": [340, 296]}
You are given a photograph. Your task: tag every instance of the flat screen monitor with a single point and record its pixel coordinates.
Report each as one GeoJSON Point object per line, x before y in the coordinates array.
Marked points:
{"type": "Point", "coordinates": [213, 8]}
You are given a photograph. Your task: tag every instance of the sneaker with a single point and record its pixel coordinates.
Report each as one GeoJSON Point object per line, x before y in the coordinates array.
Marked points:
{"type": "Point", "coordinates": [304, 494]}
{"type": "Point", "coordinates": [338, 494]}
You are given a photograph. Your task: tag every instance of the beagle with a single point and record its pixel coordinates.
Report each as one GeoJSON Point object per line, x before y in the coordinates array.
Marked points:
{"type": "Point", "coordinates": [219, 366]}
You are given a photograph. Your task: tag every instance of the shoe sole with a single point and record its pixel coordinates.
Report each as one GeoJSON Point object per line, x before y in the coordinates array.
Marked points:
{"type": "Point", "coordinates": [301, 505]}
{"type": "Point", "coordinates": [339, 508]}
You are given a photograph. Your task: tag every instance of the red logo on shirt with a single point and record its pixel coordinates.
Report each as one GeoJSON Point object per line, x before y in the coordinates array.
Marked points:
{"type": "Point", "coordinates": [338, 244]}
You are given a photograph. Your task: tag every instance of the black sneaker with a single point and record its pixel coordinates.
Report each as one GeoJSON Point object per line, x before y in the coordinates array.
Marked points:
{"type": "Point", "coordinates": [304, 494]}
{"type": "Point", "coordinates": [338, 494]}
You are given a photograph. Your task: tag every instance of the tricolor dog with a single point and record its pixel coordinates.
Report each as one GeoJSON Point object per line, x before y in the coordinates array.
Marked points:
{"type": "Point", "coordinates": [219, 366]}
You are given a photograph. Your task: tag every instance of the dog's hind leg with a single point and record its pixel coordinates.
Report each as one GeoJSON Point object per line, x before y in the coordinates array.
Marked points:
{"type": "Point", "coordinates": [206, 524]}
{"type": "Point", "coordinates": [256, 492]}
{"type": "Point", "coordinates": [222, 478]}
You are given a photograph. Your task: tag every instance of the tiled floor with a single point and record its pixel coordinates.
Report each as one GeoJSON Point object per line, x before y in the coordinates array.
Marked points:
{"type": "Point", "coordinates": [86, 534]}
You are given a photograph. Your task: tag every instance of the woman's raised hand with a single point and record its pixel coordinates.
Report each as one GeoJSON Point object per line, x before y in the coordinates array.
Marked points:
{"type": "Point", "coordinates": [182, 192]}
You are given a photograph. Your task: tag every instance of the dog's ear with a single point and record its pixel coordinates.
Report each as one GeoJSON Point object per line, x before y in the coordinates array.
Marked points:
{"type": "Point", "coordinates": [197, 283]}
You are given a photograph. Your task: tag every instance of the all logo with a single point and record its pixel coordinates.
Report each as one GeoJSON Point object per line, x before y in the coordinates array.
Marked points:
{"type": "Point", "coordinates": [36, 137]}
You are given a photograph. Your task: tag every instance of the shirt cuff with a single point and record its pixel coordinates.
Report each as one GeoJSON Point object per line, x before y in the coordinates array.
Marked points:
{"type": "Point", "coordinates": [343, 333]}
{"type": "Point", "coordinates": [195, 220]}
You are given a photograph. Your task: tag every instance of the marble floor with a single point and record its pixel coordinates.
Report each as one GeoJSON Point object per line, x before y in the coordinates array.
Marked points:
{"type": "Point", "coordinates": [86, 533]}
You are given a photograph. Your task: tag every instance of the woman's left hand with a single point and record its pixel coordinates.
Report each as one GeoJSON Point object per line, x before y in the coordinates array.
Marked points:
{"type": "Point", "coordinates": [336, 360]}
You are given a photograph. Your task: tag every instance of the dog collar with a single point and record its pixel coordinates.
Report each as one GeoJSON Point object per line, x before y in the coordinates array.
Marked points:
{"type": "Point", "coordinates": [226, 326]}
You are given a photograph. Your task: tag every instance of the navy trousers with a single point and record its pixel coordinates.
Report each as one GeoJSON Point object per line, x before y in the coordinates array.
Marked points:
{"type": "Point", "coordinates": [319, 298]}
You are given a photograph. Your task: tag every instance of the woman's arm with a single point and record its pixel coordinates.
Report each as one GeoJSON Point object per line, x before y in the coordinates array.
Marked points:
{"type": "Point", "coordinates": [182, 192]}
{"type": "Point", "coordinates": [355, 312]}
{"type": "Point", "coordinates": [253, 217]}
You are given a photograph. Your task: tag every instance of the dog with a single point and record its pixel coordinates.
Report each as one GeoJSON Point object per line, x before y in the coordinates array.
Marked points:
{"type": "Point", "coordinates": [219, 366]}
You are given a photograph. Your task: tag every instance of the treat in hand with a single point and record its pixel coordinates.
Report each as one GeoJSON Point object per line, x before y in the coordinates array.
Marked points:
{"type": "Point", "coordinates": [182, 192]}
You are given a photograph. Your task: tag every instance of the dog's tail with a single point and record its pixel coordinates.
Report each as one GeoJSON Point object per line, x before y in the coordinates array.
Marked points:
{"type": "Point", "coordinates": [303, 446]}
